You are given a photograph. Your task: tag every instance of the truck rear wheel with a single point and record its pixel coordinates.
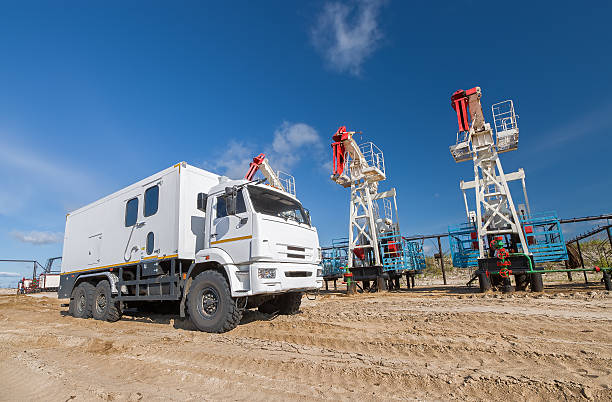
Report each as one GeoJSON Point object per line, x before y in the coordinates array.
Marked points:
{"type": "Point", "coordinates": [210, 304]}
{"type": "Point", "coordinates": [104, 307]}
{"type": "Point", "coordinates": [81, 300]}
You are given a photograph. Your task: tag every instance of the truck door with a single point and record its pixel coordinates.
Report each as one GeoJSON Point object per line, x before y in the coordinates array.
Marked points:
{"type": "Point", "coordinates": [232, 233]}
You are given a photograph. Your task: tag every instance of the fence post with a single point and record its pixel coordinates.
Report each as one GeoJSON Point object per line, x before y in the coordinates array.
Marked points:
{"type": "Point", "coordinates": [581, 261]}
{"type": "Point", "coordinates": [441, 260]}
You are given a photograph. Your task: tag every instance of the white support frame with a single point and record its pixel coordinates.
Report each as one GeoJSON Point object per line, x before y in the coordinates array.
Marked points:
{"type": "Point", "coordinates": [486, 162]}
{"type": "Point", "coordinates": [362, 224]}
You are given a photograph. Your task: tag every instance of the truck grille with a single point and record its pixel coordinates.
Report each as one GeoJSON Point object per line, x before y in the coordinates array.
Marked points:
{"type": "Point", "coordinates": [298, 274]}
{"type": "Point", "coordinates": [294, 252]}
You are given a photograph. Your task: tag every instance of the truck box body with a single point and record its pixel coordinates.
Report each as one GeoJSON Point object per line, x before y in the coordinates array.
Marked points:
{"type": "Point", "coordinates": [97, 235]}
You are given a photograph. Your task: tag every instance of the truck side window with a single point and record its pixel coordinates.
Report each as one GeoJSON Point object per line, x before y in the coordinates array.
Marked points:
{"type": "Point", "coordinates": [202, 197]}
{"type": "Point", "coordinates": [151, 200]}
{"type": "Point", "coordinates": [150, 242]}
{"type": "Point", "coordinates": [131, 212]}
{"type": "Point", "coordinates": [221, 206]}
{"type": "Point", "coordinates": [221, 209]}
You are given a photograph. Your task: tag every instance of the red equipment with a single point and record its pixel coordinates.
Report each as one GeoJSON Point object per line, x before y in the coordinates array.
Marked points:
{"type": "Point", "coordinates": [254, 166]}
{"type": "Point", "coordinates": [359, 253]}
{"type": "Point", "coordinates": [338, 150]}
{"type": "Point", "coordinates": [460, 100]}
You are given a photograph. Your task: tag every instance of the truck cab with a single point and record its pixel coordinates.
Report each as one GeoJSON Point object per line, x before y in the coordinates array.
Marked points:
{"type": "Point", "coordinates": [265, 237]}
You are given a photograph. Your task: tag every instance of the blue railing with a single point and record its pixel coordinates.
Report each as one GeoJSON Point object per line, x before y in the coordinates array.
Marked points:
{"type": "Point", "coordinates": [416, 255]}
{"type": "Point", "coordinates": [464, 248]}
{"type": "Point", "coordinates": [544, 237]}
{"type": "Point", "coordinates": [334, 258]}
{"type": "Point", "coordinates": [398, 254]}
{"type": "Point", "coordinates": [542, 232]}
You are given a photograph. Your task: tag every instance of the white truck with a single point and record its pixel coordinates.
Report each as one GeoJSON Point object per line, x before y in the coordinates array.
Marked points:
{"type": "Point", "coordinates": [187, 236]}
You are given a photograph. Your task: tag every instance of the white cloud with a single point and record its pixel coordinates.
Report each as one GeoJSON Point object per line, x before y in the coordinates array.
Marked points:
{"type": "Point", "coordinates": [38, 238]}
{"type": "Point", "coordinates": [233, 161]}
{"type": "Point", "coordinates": [10, 274]}
{"type": "Point", "coordinates": [346, 34]}
{"type": "Point", "coordinates": [290, 142]}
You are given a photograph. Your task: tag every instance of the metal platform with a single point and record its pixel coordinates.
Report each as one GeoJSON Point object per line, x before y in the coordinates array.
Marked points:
{"type": "Point", "coordinates": [545, 237]}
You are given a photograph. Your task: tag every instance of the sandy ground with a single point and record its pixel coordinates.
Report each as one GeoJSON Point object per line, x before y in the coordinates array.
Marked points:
{"type": "Point", "coordinates": [432, 343]}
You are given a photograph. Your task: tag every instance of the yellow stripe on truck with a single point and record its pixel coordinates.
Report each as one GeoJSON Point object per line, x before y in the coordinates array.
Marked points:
{"type": "Point", "coordinates": [232, 239]}
{"type": "Point", "coordinates": [116, 265]}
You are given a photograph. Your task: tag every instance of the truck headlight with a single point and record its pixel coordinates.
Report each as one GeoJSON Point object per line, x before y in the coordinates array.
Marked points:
{"type": "Point", "coordinates": [320, 272]}
{"type": "Point", "coordinates": [266, 273]}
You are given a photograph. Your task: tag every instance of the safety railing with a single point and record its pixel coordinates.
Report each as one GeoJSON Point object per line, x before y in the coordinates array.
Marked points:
{"type": "Point", "coordinates": [373, 156]}
{"type": "Point", "coordinates": [416, 256]}
{"type": "Point", "coordinates": [398, 254]}
{"type": "Point", "coordinates": [334, 258]}
{"type": "Point", "coordinates": [506, 126]}
{"type": "Point", "coordinates": [461, 151]}
{"type": "Point", "coordinates": [463, 240]}
{"type": "Point", "coordinates": [287, 181]}
{"type": "Point", "coordinates": [544, 237]}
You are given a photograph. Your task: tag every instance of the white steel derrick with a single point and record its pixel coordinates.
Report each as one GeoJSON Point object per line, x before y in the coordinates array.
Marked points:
{"type": "Point", "coordinates": [496, 213]}
{"type": "Point", "coordinates": [362, 226]}
{"type": "Point", "coordinates": [361, 167]}
{"type": "Point", "coordinates": [492, 198]}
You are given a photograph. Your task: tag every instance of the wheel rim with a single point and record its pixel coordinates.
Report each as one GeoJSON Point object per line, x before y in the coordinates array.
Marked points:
{"type": "Point", "coordinates": [82, 302]}
{"type": "Point", "coordinates": [101, 303]}
{"type": "Point", "coordinates": [209, 303]}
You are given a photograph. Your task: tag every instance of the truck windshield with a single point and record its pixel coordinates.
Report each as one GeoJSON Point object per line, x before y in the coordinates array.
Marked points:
{"type": "Point", "coordinates": [271, 202]}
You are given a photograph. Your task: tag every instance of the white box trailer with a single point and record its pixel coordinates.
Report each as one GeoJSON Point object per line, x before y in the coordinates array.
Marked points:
{"type": "Point", "coordinates": [49, 282]}
{"type": "Point", "coordinates": [214, 246]}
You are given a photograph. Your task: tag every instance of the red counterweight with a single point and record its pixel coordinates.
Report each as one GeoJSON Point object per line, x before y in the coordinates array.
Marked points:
{"type": "Point", "coordinates": [254, 166]}
{"type": "Point", "coordinates": [338, 150]}
{"type": "Point", "coordinates": [459, 102]}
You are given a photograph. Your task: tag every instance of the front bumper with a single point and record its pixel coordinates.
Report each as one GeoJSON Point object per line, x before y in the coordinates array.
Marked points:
{"type": "Point", "coordinates": [289, 278]}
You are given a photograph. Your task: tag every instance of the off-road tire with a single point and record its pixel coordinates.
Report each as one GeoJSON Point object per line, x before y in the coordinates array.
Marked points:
{"type": "Point", "coordinates": [484, 282]}
{"type": "Point", "coordinates": [81, 300]}
{"type": "Point", "coordinates": [521, 280]}
{"type": "Point", "coordinates": [220, 314]}
{"type": "Point", "coordinates": [103, 306]}
{"type": "Point", "coordinates": [537, 285]}
{"type": "Point", "coordinates": [289, 303]}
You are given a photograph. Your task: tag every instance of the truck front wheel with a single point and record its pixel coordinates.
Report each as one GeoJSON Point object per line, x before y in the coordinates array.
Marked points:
{"type": "Point", "coordinates": [210, 304]}
{"type": "Point", "coordinates": [104, 307]}
{"type": "Point", "coordinates": [81, 300]}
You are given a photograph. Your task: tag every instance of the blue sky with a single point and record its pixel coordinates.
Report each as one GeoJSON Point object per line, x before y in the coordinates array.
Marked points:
{"type": "Point", "coordinates": [97, 95]}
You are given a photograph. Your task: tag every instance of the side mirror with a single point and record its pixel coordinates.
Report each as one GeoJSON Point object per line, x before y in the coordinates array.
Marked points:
{"type": "Point", "coordinates": [231, 193]}
{"type": "Point", "coordinates": [307, 216]}
{"type": "Point", "coordinates": [202, 198]}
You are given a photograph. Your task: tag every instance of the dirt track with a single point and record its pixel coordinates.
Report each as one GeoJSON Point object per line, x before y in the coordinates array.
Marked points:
{"type": "Point", "coordinates": [435, 343]}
